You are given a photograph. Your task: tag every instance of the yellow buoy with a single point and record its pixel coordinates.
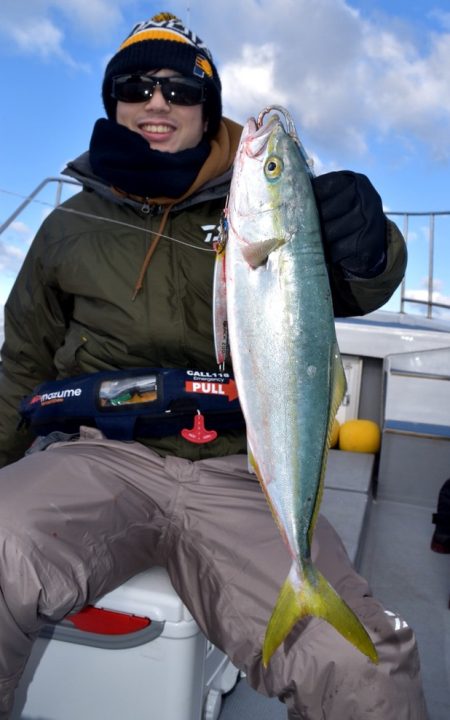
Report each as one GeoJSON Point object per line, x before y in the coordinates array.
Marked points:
{"type": "Point", "coordinates": [335, 433]}
{"type": "Point", "coordinates": [360, 436]}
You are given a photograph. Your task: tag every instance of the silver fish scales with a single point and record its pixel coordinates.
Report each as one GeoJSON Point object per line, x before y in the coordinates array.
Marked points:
{"type": "Point", "coordinates": [273, 304]}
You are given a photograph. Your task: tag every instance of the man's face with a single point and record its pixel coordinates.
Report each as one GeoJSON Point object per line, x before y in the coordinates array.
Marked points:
{"type": "Point", "coordinates": [165, 126]}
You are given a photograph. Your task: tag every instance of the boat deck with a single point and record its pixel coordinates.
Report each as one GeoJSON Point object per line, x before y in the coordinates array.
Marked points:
{"type": "Point", "coordinates": [346, 501]}
{"type": "Point", "coordinates": [390, 546]}
{"type": "Point", "coordinates": [411, 579]}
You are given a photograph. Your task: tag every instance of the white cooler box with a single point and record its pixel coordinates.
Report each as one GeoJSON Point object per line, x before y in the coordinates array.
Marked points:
{"type": "Point", "coordinates": [137, 654]}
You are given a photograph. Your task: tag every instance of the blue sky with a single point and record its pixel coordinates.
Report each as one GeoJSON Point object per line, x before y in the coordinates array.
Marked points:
{"type": "Point", "coordinates": [368, 84]}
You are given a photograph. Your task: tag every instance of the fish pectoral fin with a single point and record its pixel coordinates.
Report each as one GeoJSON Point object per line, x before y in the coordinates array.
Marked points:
{"type": "Point", "coordinates": [256, 254]}
{"type": "Point", "coordinates": [313, 595]}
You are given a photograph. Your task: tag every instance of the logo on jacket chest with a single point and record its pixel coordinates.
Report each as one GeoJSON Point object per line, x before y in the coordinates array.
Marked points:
{"type": "Point", "coordinates": [211, 234]}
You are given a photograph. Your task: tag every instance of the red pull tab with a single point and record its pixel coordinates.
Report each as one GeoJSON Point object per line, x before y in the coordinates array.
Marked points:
{"type": "Point", "coordinates": [199, 434]}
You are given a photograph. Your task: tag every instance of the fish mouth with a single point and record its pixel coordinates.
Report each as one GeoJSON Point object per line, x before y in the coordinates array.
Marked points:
{"type": "Point", "coordinates": [258, 131]}
{"type": "Point", "coordinates": [256, 137]}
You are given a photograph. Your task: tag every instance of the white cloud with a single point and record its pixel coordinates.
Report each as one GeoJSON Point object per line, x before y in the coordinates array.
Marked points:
{"type": "Point", "coordinates": [345, 77]}
{"type": "Point", "coordinates": [20, 227]}
{"type": "Point", "coordinates": [410, 92]}
{"type": "Point", "coordinates": [97, 17]}
{"type": "Point", "coordinates": [41, 27]}
{"type": "Point", "coordinates": [422, 296]}
{"type": "Point", "coordinates": [251, 77]}
{"type": "Point", "coordinates": [11, 257]}
{"type": "Point", "coordinates": [40, 37]}
{"type": "Point", "coordinates": [442, 16]}
{"type": "Point", "coordinates": [14, 244]}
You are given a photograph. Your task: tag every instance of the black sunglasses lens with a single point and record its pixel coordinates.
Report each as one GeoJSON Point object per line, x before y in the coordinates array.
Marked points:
{"type": "Point", "coordinates": [132, 90]}
{"type": "Point", "coordinates": [139, 88]}
{"type": "Point", "coordinates": [182, 91]}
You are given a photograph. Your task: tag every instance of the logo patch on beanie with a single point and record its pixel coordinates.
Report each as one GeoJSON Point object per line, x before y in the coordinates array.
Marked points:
{"type": "Point", "coordinates": [202, 66]}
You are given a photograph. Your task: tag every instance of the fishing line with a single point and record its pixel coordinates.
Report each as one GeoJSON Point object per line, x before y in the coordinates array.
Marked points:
{"type": "Point", "coordinates": [133, 227]}
{"type": "Point", "coordinates": [110, 220]}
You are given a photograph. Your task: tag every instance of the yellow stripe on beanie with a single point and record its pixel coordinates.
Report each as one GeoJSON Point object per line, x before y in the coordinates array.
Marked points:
{"type": "Point", "coordinates": [155, 34]}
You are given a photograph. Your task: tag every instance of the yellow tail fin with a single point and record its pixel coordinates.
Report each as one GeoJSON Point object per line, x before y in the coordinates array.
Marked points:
{"type": "Point", "coordinates": [313, 595]}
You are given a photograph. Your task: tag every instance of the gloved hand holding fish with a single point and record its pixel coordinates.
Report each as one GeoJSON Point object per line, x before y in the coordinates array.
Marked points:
{"type": "Point", "coordinates": [273, 304]}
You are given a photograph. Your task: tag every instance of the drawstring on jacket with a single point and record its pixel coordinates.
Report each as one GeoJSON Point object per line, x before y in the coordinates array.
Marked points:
{"type": "Point", "coordinates": [150, 251]}
{"type": "Point", "coordinates": [222, 151]}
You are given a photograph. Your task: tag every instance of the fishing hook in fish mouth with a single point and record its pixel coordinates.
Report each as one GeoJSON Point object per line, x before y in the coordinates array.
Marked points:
{"type": "Point", "coordinates": [287, 119]}
{"type": "Point", "coordinates": [290, 127]}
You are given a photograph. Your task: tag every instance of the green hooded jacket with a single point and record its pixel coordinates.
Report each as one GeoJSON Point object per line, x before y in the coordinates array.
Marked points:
{"type": "Point", "coordinates": [89, 297]}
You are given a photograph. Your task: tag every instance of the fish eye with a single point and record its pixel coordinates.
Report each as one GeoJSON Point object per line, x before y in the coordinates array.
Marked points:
{"type": "Point", "coordinates": [273, 167]}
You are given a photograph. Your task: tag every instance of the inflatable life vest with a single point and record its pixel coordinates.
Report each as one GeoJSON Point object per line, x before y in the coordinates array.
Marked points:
{"type": "Point", "coordinates": [142, 402]}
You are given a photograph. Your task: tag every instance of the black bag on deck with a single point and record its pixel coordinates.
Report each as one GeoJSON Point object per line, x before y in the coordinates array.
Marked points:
{"type": "Point", "coordinates": [441, 538]}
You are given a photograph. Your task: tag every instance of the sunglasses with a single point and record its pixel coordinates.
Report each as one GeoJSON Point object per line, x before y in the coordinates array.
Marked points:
{"type": "Point", "coordinates": [140, 88]}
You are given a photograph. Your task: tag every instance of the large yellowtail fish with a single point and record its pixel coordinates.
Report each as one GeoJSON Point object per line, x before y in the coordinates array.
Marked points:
{"type": "Point", "coordinates": [278, 317]}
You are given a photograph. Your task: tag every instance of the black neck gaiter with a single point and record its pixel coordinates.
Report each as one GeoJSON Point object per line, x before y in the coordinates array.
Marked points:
{"type": "Point", "coordinates": [124, 159]}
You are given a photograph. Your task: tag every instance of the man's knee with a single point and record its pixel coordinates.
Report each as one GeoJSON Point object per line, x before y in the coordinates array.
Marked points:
{"type": "Point", "coordinates": [317, 673]}
{"type": "Point", "coordinates": [344, 683]}
{"type": "Point", "coordinates": [37, 581]}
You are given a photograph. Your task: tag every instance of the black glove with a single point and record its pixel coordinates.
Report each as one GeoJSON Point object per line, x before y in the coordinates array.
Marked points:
{"type": "Point", "coordinates": [353, 223]}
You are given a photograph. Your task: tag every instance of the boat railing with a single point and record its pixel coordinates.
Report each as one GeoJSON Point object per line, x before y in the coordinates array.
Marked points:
{"type": "Point", "coordinates": [430, 301]}
{"type": "Point", "coordinates": [60, 182]}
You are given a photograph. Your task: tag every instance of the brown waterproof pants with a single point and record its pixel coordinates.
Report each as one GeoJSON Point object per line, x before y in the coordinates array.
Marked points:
{"type": "Point", "coordinates": [79, 518]}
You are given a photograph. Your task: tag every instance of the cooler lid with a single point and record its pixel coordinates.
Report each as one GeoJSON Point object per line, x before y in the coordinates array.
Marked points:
{"type": "Point", "coordinates": [149, 594]}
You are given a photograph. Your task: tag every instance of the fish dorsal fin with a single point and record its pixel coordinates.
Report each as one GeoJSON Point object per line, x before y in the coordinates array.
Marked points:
{"type": "Point", "coordinates": [256, 254]}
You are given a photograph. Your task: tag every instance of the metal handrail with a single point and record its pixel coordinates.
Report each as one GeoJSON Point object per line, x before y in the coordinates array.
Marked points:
{"type": "Point", "coordinates": [406, 215]}
{"type": "Point", "coordinates": [429, 302]}
{"type": "Point", "coordinates": [60, 181]}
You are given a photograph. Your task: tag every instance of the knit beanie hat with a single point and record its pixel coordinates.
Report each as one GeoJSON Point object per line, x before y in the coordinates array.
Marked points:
{"type": "Point", "coordinates": [164, 42]}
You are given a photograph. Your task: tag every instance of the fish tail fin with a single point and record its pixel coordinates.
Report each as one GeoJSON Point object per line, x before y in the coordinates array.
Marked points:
{"type": "Point", "coordinates": [313, 595]}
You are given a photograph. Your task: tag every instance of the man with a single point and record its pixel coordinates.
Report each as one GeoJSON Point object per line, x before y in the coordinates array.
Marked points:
{"type": "Point", "coordinates": [120, 278]}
